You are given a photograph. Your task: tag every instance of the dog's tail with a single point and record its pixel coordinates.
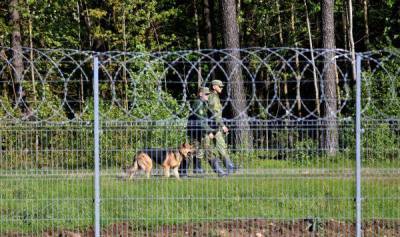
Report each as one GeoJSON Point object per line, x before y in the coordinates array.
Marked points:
{"type": "Point", "coordinates": [131, 170]}
{"type": "Point", "coordinates": [135, 165]}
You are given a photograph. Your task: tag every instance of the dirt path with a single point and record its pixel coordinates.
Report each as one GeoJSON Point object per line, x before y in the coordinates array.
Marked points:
{"type": "Point", "coordinates": [238, 228]}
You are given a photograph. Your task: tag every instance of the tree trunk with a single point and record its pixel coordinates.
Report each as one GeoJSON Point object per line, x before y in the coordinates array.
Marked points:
{"type": "Point", "coordinates": [33, 81]}
{"type": "Point", "coordinates": [351, 39]}
{"type": "Point", "coordinates": [296, 45]}
{"type": "Point", "coordinates": [208, 15]}
{"type": "Point", "coordinates": [81, 88]}
{"type": "Point", "coordinates": [17, 62]}
{"type": "Point", "coordinates": [234, 71]}
{"type": "Point", "coordinates": [278, 9]}
{"type": "Point", "coordinates": [366, 27]}
{"type": "Point", "coordinates": [125, 90]}
{"type": "Point", "coordinates": [207, 19]}
{"type": "Point", "coordinates": [198, 43]}
{"type": "Point", "coordinates": [285, 86]}
{"type": "Point", "coordinates": [329, 75]}
{"type": "Point", "coordinates": [88, 23]}
{"type": "Point", "coordinates": [208, 29]}
{"type": "Point", "coordinates": [316, 88]}
{"type": "Point", "coordinates": [31, 56]}
{"type": "Point", "coordinates": [344, 24]}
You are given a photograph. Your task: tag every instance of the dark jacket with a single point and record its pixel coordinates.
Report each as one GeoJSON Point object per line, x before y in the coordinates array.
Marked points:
{"type": "Point", "coordinates": [198, 122]}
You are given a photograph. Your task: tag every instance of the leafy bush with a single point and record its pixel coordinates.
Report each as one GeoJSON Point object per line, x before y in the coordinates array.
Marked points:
{"type": "Point", "coordinates": [380, 143]}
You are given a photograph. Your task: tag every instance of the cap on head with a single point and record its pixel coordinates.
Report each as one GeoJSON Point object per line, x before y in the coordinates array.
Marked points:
{"type": "Point", "coordinates": [204, 90]}
{"type": "Point", "coordinates": [217, 82]}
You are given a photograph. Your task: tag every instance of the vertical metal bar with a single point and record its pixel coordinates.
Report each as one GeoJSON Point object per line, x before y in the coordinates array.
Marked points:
{"type": "Point", "coordinates": [358, 146]}
{"type": "Point", "coordinates": [96, 148]}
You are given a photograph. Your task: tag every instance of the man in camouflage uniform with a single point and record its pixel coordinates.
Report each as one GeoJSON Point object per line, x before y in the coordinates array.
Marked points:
{"type": "Point", "coordinates": [215, 106]}
{"type": "Point", "coordinates": [201, 135]}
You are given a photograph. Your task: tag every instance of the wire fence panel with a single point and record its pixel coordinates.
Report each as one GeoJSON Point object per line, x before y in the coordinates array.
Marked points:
{"type": "Point", "coordinates": [380, 143]}
{"type": "Point", "coordinates": [46, 173]}
{"type": "Point", "coordinates": [279, 187]}
{"type": "Point", "coordinates": [46, 156]}
{"type": "Point", "coordinates": [286, 167]}
{"type": "Point", "coordinates": [380, 185]}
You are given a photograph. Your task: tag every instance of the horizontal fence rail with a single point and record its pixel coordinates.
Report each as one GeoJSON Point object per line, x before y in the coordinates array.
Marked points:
{"type": "Point", "coordinates": [292, 139]}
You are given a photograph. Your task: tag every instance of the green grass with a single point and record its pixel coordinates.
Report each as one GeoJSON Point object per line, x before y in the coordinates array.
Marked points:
{"type": "Point", "coordinates": [34, 203]}
{"type": "Point", "coordinates": [310, 159]}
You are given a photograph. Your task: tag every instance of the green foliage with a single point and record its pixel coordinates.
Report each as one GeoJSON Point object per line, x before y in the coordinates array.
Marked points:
{"type": "Point", "coordinates": [53, 24]}
{"type": "Point", "coordinates": [140, 98]}
{"type": "Point", "coordinates": [134, 25]}
{"type": "Point", "coordinates": [381, 90]}
{"type": "Point", "coordinates": [294, 145]}
{"type": "Point", "coordinates": [71, 145]}
{"type": "Point", "coordinates": [5, 29]}
{"type": "Point", "coordinates": [46, 145]}
{"type": "Point", "coordinates": [154, 25]}
{"type": "Point", "coordinates": [8, 110]}
{"type": "Point", "coordinates": [305, 149]}
{"type": "Point", "coordinates": [380, 143]}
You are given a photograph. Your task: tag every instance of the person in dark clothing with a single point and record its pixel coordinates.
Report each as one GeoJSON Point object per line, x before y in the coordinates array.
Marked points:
{"type": "Point", "coordinates": [201, 135]}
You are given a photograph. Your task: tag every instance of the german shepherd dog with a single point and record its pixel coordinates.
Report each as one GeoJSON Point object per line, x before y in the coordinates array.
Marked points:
{"type": "Point", "coordinates": [168, 159]}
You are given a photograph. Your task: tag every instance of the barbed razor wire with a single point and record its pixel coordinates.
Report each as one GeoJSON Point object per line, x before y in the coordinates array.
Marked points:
{"type": "Point", "coordinates": [281, 83]}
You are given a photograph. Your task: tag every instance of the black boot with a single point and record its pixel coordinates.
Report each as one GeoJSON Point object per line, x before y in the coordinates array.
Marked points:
{"type": "Point", "coordinates": [230, 167]}
{"type": "Point", "coordinates": [216, 167]}
{"type": "Point", "coordinates": [197, 166]}
{"type": "Point", "coordinates": [183, 168]}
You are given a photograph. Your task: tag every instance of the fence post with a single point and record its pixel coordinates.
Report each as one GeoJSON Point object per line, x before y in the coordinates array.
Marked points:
{"type": "Point", "coordinates": [96, 147]}
{"type": "Point", "coordinates": [358, 146]}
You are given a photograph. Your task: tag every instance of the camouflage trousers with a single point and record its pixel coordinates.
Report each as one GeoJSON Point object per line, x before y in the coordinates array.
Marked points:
{"type": "Point", "coordinates": [211, 148]}
{"type": "Point", "coordinates": [220, 146]}
{"type": "Point", "coordinates": [203, 147]}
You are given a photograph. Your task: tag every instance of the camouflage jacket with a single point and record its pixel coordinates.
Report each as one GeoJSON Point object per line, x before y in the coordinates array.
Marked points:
{"type": "Point", "coordinates": [215, 107]}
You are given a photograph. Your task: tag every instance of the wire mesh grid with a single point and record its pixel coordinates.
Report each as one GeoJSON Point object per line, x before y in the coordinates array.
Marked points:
{"type": "Point", "coordinates": [286, 181]}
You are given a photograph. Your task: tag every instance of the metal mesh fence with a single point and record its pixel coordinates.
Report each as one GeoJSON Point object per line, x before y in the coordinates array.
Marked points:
{"type": "Point", "coordinates": [287, 179]}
